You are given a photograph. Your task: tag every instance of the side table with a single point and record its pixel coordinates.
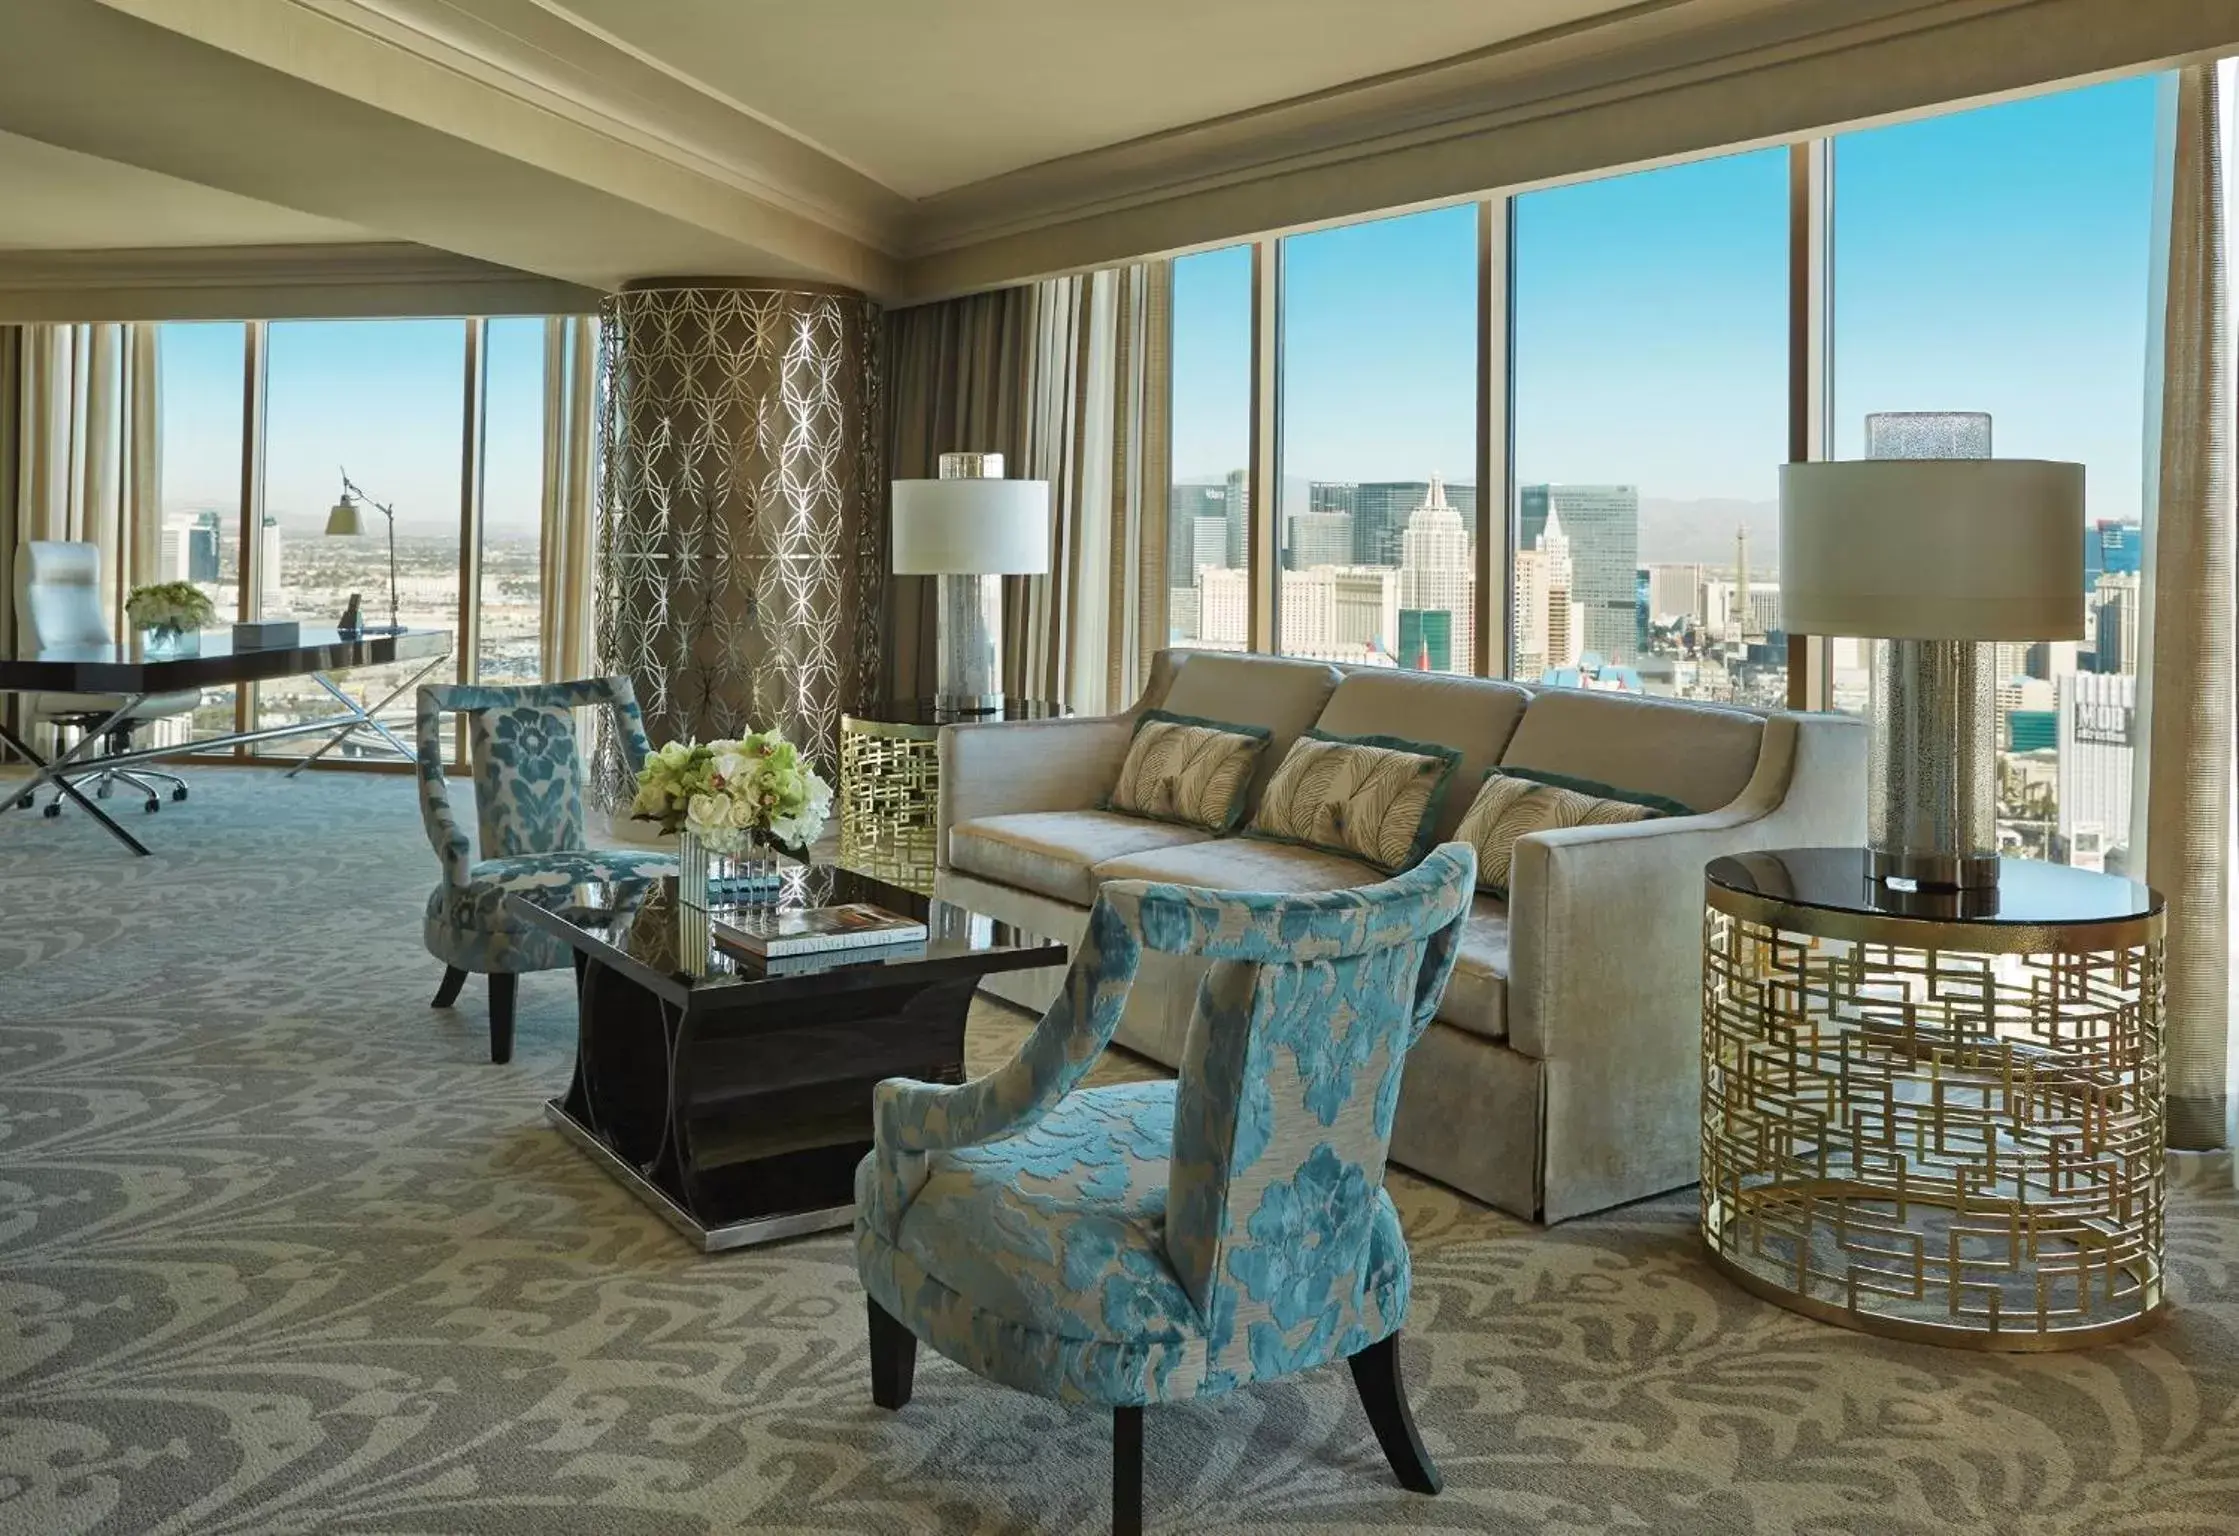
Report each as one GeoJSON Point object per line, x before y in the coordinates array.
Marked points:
{"type": "Point", "coordinates": [890, 783]}
{"type": "Point", "coordinates": [1935, 1116]}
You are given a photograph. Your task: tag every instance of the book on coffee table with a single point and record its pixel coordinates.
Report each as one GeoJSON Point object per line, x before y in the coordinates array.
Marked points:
{"type": "Point", "coordinates": [779, 934]}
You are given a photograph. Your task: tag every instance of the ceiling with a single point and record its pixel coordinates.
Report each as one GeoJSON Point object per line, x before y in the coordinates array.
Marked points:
{"type": "Point", "coordinates": [59, 200]}
{"type": "Point", "coordinates": [915, 148]}
{"type": "Point", "coordinates": [924, 98]}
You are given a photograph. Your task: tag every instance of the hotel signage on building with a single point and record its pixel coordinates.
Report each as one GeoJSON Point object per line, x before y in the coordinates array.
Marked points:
{"type": "Point", "coordinates": [2102, 725]}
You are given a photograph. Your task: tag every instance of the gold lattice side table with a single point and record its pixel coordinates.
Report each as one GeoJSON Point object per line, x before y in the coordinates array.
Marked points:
{"type": "Point", "coordinates": [1932, 1117]}
{"type": "Point", "coordinates": [890, 783]}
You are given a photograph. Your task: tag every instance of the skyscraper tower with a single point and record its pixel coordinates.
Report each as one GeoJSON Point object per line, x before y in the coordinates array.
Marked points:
{"type": "Point", "coordinates": [1434, 569]}
{"type": "Point", "coordinates": [1239, 520]}
{"type": "Point", "coordinates": [1744, 618]}
{"type": "Point", "coordinates": [1603, 523]}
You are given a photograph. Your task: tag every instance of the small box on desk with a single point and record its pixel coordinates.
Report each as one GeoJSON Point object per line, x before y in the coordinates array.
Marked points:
{"type": "Point", "coordinates": [265, 634]}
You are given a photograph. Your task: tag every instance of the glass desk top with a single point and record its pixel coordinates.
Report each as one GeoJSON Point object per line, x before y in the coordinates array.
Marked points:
{"type": "Point", "coordinates": [2028, 894]}
{"type": "Point", "coordinates": [639, 927]}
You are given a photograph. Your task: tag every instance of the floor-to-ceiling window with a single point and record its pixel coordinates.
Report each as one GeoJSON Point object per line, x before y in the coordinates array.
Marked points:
{"type": "Point", "coordinates": [199, 381]}
{"type": "Point", "coordinates": [1651, 418]}
{"type": "Point", "coordinates": [511, 605]}
{"type": "Point", "coordinates": [1377, 510]}
{"type": "Point", "coordinates": [383, 402]}
{"type": "Point", "coordinates": [1997, 260]}
{"type": "Point", "coordinates": [1208, 511]}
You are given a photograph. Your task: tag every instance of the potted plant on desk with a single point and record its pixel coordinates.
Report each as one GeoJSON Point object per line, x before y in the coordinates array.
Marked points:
{"type": "Point", "coordinates": [170, 616]}
{"type": "Point", "coordinates": [733, 805]}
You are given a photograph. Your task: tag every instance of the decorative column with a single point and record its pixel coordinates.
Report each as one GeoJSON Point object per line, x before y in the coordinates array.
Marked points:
{"type": "Point", "coordinates": [742, 560]}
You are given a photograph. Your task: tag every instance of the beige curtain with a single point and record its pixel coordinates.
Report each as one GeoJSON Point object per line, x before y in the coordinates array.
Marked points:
{"type": "Point", "coordinates": [567, 579]}
{"type": "Point", "coordinates": [81, 441]}
{"type": "Point", "coordinates": [1097, 432]}
{"type": "Point", "coordinates": [2181, 816]}
{"type": "Point", "coordinates": [958, 377]}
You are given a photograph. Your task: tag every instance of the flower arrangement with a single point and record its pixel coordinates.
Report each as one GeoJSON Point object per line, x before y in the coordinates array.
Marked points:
{"type": "Point", "coordinates": [729, 794]}
{"type": "Point", "coordinates": [169, 607]}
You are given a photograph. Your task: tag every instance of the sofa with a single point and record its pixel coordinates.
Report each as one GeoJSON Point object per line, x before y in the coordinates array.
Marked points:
{"type": "Point", "coordinates": [1561, 1075]}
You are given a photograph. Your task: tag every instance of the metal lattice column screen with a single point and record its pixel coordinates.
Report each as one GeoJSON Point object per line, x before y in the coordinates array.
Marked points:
{"type": "Point", "coordinates": [1943, 1144]}
{"type": "Point", "coordinates": [742, 556]}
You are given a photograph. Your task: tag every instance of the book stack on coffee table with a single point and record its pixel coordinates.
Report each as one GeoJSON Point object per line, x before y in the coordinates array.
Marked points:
{"type": "Point", "coordinates": [778, 939]}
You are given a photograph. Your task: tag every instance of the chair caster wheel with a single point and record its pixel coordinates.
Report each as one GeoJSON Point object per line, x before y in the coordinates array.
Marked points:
{"type": "Point", "coordinates": [180, 793]}
{"type": "Point", "coordinates": [154, 805]}
{"type": "Point", "coordinates": [54, 812]}
{"type": "Point", "coordinates": [26, 802]}
{"type": "Point", "coordinates": [102, 792]}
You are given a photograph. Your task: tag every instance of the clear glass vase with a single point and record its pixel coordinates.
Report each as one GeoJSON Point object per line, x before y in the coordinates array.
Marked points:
{"type": "Point", "coordinates": [159, 642]}
{"type": "Point", "coordinates": [707, 877]}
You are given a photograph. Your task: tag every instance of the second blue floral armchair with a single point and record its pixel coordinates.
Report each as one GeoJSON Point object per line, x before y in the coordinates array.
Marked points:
{"type": "Point", "coordinates": [528, 801]}
{"type": "Point", "coordinates": [1154, 1242]}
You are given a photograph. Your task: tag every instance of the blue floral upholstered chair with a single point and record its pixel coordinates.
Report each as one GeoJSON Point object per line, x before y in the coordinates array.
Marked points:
{"type": "Point", "coordinates": [1155, 1242]}
{"type": "Point", "coordinates": [528, 801]}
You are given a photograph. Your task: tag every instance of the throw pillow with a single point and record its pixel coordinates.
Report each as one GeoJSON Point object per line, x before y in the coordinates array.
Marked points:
{"type": "Point", "coordinates": [1512, 804]}
{"type": "Point", "coordinates": [1374, 797]}
{"type": "Point", "coordinates": [1183, 769]}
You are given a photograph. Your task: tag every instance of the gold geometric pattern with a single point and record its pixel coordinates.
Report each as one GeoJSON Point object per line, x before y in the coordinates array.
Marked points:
{"type": "Point", "coordinates": [889, 798]}
{"type": "Point", "coordinates": [1952, 1144]}
{"type": "Point", "coordinates": [742, 555]}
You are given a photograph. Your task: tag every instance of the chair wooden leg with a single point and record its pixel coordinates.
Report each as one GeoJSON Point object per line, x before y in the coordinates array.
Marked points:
{"type": "Point", "coordinates": [1384, 1395]}
{"type": "Point", "coordinates": [501, 1018]}
{"type": "Point", "coordinates": [893, 1357]}
{"type": "Point", "coordinates": [1127, 1472]}
{"type": "Point", "coordinates": [448, 992]}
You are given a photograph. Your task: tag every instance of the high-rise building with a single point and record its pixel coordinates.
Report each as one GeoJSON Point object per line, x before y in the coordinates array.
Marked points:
{"type": "Point", "coordinates": [1603, 522]}
{"type": "Point", "coordinates": [1381, 509]}
{"type": "Point", "coordinates": [1209, 544]}
{"type": "Point", "coordinates": [1186, 506]}
{"type": "Point", "coordinates": [1238, 509]}
{"type": "Point", "coordinates": [2114, 601]}
{"type": "Point", "coordinates": [2113, 548]}
{"type": "Point", "coordinates": [1332, 496]}
{"type": "Point", "coordinates": [1320, 538]}
{"type": "Point", "coordinates": [1224, 607]}
{"type": "Point", "coordinates": [1346, 613]}
{"type": "Point", "coordinates": [2098, 716]}
{"type": "Point", "coordinates": [1723, 617]}
{"type": "Point", "coordinates": [1547, 637]}
{"type": "Point", "coordinates": [1435, 575]}
{"type": "Point", "coordinates": [1676, 592]}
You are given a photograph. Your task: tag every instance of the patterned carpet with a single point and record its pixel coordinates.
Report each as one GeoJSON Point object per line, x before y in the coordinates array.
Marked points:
{"type": "Point", "coordinates": [280, 1252]}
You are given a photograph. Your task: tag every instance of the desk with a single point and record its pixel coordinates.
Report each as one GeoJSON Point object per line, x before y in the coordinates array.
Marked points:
{"type": "Point", "coordinates": [122, 670]}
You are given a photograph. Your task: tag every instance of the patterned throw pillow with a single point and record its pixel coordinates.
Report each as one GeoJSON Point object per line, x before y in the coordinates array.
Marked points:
{"type": "Point", "coordinates": [1374, 797]}
{"type": "Point", "coordinates": [1514, 802]}
{"type": "Point", "coordinates": [1183, 769]}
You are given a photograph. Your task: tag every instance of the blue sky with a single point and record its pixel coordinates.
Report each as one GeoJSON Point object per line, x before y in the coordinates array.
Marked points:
{"type": "Point", "coordinates": [1989, 260]}
{"type": "Point", "coordinates": [382, 397]}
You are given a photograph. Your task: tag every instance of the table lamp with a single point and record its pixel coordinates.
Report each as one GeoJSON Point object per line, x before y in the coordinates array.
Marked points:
{"type": "Point", "coordinates": [347, 521]}
{"type": "Point", "coordinates": [970, 529]}
{"type": "Point", "coordinates": [1931, 558]}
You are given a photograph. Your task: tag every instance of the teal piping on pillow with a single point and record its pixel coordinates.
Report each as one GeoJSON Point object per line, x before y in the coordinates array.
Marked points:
{"type": "Point", "coordinates": [1235, 816]}
{"type": "Point", "coordinates": [1663, 804]}
{"type": "Point", "coordinates": [1451, 756]}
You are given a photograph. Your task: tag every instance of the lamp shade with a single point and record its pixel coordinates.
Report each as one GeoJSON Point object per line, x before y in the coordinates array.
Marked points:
{"type": "Point", "coordinates": [1933, 549]}
{"type": "Point", "coordinates": [346, 521]}
{"type": "Point", "coordinates": [971, 527]}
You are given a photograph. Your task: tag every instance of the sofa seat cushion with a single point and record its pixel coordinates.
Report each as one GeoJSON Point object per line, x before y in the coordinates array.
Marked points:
{"type": "Point", "coordinates": [1054, 853]}
{"type": "Point", "coordinates": [1477, 996]}
{"type": "Point", "coordinates": [1243, 864]}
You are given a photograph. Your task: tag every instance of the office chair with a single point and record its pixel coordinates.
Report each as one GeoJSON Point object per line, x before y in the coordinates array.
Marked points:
{"type": "Point", "coordinates": [58, 604]}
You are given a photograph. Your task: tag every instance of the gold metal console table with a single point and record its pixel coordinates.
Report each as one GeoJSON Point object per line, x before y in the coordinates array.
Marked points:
{"type": "Point", "coordinates": [890, 783]}
{"type": "Point", "coordinates": [1935, 1117]}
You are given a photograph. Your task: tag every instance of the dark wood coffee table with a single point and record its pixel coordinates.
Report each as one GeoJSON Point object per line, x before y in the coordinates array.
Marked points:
{"type": "Point", "coordinates": [737, 1103]}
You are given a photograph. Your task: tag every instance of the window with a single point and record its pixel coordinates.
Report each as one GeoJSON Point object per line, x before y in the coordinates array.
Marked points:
{"type": "Point", "coordinates": [1378, 512]}
{"type": "Point", "coordinates": [383, 401]}
{"type": "Point", "coordinates": [1998, 260]}
{"type": "Point", "coordinates": [198, 381]}
{"type": "Point", "coordinates": [511, 598]}
{"type": "Point", "coordinates": [1651, 419]}
{"type": "Point", "coordinates": [1208, 598]}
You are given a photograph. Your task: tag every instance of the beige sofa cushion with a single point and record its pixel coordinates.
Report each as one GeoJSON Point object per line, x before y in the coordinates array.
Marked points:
{"type": "Point", "coordinates": [1510, 805]}
{"type": "Point", "coordinates": [1053, 853]}
{"type": "Point", "coordinates": [1283, 695]}
{"type": "Point", "coordinates": [1183, 769]}
{"type": "Point", "coordinates": [1243, 864]}
{"type": "Point", "coordinates": [1373, 798]}
{"type": "Point", "coordinates": [1477, 996]}
{"type": "Point", "coordinates": [1698, 755]}
{"type": "Point", "coordinates": [1474, 715]}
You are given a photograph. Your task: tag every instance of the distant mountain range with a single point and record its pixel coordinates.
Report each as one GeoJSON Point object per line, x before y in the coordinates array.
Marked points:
{"type": "Point", "coordinates": [1686, 532]}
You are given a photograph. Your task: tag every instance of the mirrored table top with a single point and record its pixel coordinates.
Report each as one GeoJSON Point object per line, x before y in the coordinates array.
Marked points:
{"type": "Point", "coordinates": [639, 927]}
{"type": "Point", "coordinates": [2028, 894]}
